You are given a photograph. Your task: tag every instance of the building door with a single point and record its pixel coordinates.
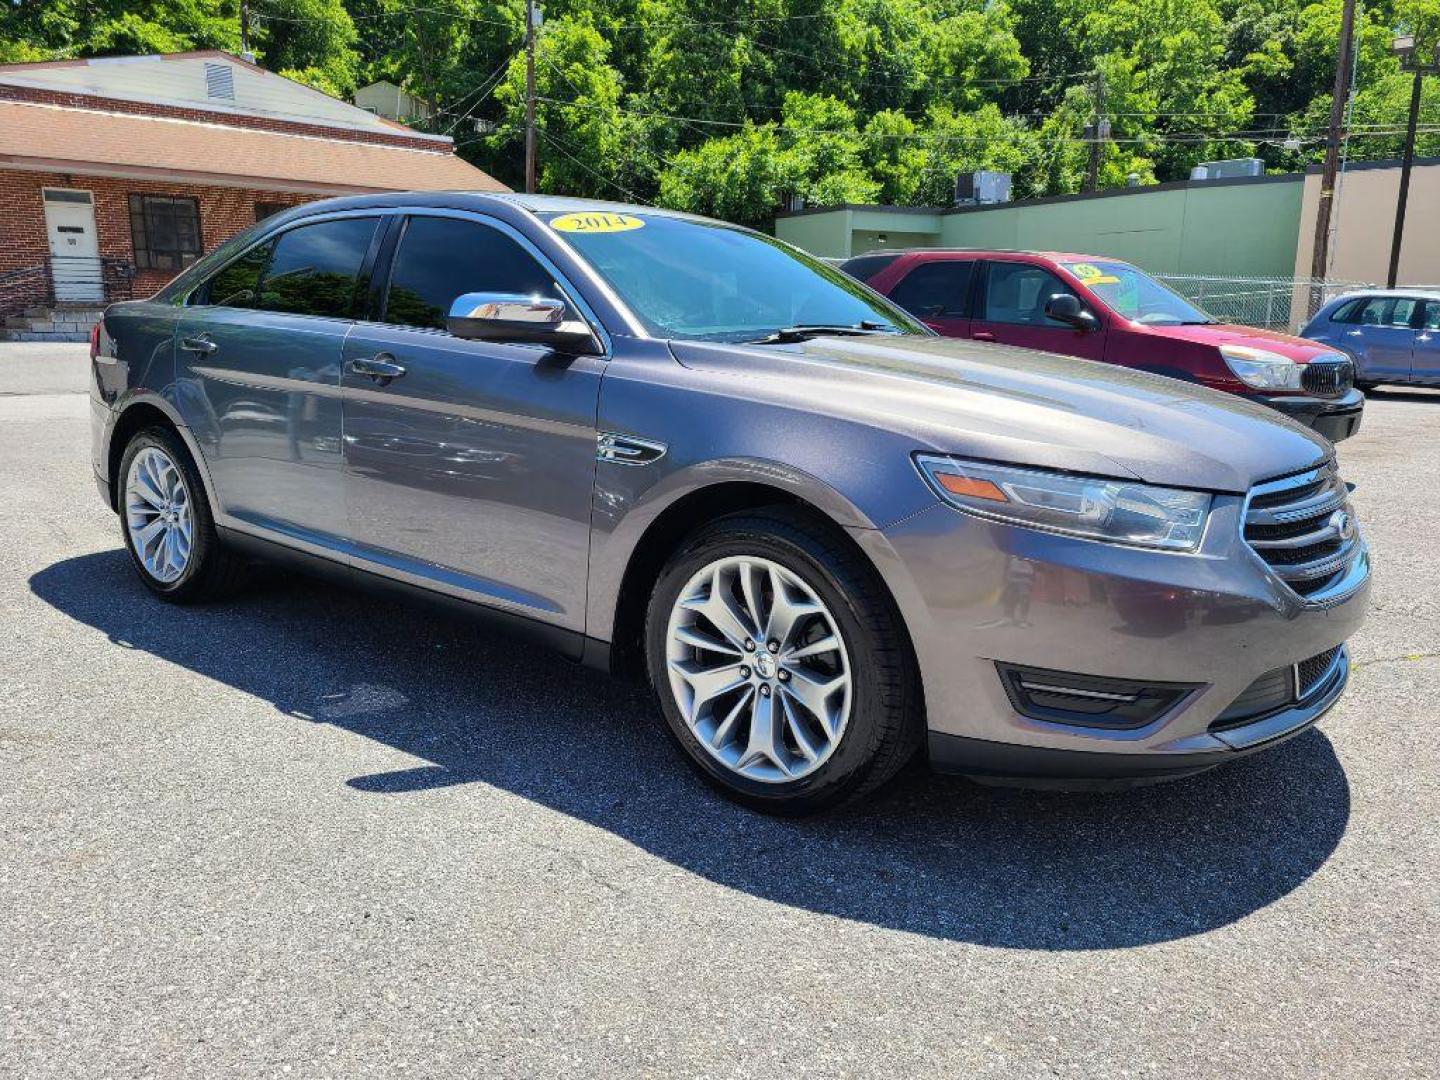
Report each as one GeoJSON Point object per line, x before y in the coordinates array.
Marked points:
{"type": "Point", "coordinates": [74, 247]}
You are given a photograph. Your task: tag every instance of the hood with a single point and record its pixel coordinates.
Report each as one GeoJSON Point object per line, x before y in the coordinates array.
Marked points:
{"type": "Point", "coordinates": [1287, 345]}
{"type": "Point", "coordinates": [1023, 407]}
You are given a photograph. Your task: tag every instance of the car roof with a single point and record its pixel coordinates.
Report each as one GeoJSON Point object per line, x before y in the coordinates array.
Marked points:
{"type": "Point", "coordinates": [1058, 256]}
{"type": "Point", "coordinates": [1380, 294]}
{"type": "Point", "coordinates": [535, 204]}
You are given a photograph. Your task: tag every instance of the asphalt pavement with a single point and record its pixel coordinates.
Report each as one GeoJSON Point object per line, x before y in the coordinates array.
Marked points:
{"type": "Point", "coordinates": [317, 834]}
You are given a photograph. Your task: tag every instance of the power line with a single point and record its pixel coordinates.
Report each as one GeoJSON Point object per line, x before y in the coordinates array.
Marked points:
{"type": "Point", "coordinates": [556, 143]}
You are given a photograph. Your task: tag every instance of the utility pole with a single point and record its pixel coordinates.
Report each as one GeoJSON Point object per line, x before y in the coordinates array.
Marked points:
{"type": "Point", "coordinates": [1320, 253]}
{"type": "Point", "coordinates": [529, 96]}
{"type": "Point", "coordinates": [245, 31]}
{"type": "Point", "coordinates": [1097, 133]}
{"type": "Point", "coordinates": [1404, 47]}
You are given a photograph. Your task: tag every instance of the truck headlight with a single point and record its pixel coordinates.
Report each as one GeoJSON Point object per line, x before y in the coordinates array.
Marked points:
{"type": "Point", "coordinates": [1118, 511]}
{"type": "Point", "coordinates": [1261, 368]}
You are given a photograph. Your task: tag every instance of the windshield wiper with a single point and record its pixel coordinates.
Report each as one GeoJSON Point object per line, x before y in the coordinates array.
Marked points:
{"type": "Point", "coordinates": [806, 331]}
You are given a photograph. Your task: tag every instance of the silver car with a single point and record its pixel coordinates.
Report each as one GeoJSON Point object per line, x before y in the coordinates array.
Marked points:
{"type": "Point", "coordinates": [685, 451]}
{"type": "Point", "coordinates": [1393, 335]}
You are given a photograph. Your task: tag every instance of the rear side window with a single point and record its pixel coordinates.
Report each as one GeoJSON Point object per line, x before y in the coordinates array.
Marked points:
{"type": "Point", "coordinates": [1017, 293]}
{"type": "Point", "coordinates": [864, 267]}
{"type": "Point", "coordinates": [1348, 313]}
{"type": "Point", "coordinates": [1432, 315]}
{"type": "Point", "coordinates": [439, 258]}
{"type": "Point", "coordinates": [939, 288]}
{"type": "Point", "coordinates": [315, 268]}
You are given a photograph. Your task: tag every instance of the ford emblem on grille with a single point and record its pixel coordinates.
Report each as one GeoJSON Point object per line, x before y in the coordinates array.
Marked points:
{"type": "Point", "coordinates": [1343, 524]}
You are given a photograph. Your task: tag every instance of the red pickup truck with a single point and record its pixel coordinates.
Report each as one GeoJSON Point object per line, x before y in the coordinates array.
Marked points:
{"type": "Point", "coordinates": [1103, 309]}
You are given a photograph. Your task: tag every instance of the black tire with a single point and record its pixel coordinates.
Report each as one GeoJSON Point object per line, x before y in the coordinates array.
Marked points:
{"type": "Point", "coordinates": [886, 722]}
{"type": "Point", "coordinates": [1366, 386]}
{"type": "Point", "coordinates": [212, 571]}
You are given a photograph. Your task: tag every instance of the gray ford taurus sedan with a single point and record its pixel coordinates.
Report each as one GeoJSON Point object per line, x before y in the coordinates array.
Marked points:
{"type": "Point", "coordinates": [670, 446]}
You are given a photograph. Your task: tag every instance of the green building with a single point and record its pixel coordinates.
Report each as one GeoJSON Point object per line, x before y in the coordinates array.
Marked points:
{"type": "Point", "coordinates": [1238, 227]}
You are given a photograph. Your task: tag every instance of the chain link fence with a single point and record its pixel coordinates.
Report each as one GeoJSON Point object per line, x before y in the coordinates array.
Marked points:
{"type": "Point", "coordinates": [1271, 303]}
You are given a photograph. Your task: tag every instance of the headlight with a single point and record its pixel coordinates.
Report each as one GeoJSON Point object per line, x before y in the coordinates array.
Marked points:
{"type": "Point", "coordinates": [1113, 510]}
{"type": "Point", "coordinates": [1261, 368]}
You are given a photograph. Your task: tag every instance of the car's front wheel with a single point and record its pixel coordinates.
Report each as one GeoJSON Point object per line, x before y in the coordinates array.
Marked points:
{"type": "Point", "coordinates": [781, 666]}
{"type": "Point", "coordinates": [166, 521]}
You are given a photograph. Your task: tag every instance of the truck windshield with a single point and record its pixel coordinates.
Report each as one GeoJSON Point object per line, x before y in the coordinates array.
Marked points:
{"type": "Point", "coordinates": [1135, 295]}
{"type": "Point", "coordinates": [694, 279]}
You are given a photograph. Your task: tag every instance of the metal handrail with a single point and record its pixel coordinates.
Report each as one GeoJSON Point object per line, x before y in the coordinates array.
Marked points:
{"type": "Point", "coordinates": [31, 286]}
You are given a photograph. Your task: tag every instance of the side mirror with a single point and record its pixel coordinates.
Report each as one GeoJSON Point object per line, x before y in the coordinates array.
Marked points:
{"type": "Point", "coordinates": [518, 320]}
{"type": "Point", "coordinates": [1065, 308]}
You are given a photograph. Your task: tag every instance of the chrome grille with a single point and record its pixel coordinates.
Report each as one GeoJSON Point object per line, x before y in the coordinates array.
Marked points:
{"type": "Point", "coordinates": [1303, 528]}
{"type": "Point", "coordinates": [1328, 378]}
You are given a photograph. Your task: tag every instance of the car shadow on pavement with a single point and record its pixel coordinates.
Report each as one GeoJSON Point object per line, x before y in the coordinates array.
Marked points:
{"type": "Point", "coordinates": [929, 855]}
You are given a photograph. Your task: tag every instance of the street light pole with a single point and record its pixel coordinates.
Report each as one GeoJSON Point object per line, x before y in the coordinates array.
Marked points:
{"type": "Point", "coordinates": [1405, 47]}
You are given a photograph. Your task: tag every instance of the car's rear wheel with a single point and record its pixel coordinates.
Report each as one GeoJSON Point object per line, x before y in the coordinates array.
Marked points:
{"type": "Point", "coordinates": [166, 521]}
{"type": "Point", "coordinates": [781, 666]}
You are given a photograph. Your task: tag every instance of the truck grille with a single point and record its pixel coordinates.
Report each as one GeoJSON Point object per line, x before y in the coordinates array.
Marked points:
{"type": "Point", "coordinates": [1303, 528]}
{"type": "Point", "coordinates": [1328, 378]}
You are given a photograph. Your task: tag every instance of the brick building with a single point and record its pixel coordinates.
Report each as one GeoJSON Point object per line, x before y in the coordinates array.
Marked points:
{"type": "Point", "coordinates": [116, 173]}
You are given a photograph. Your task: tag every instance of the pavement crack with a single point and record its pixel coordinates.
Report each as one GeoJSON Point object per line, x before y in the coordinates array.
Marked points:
{"type": "Point", "coordinates": [1403, 657]}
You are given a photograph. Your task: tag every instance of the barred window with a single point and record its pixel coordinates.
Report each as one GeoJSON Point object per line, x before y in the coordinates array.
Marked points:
{"type": "Point", "coordinates": [165, 230]}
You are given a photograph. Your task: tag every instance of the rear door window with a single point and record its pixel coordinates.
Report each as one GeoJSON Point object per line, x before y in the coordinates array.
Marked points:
{"type": "Point", "coordinates": [315, 269]}
{"type": "Point", "coordinates": [939, 288]}
{"type": "Point", "coordinates": [439, 258]}
{"type": "Point", "coordinates": [1394, 311]}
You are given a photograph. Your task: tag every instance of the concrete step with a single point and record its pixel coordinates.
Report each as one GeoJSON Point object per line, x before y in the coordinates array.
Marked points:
{"type": "Point", "coordinates": [62, 319]}
{"type": "Point", "coordinates": [47, 325]}
{"type": "Point", "coordinates": [11, 334]}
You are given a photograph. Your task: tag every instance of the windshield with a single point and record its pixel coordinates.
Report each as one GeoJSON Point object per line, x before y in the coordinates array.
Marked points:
{"type": "Point", "coordinates": [1135, 295]}
{"type": "Point", "coordinates": [696, 279]}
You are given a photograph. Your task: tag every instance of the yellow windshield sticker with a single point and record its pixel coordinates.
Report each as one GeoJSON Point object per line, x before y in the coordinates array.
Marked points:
{"type": "Point", "coordinates": [596, 222]}
{"type": "Point", "coordinates": [1091, 274]}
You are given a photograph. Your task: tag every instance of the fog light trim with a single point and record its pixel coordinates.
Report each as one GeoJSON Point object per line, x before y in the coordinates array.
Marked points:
{"type": "Point", "coordinates": [1092, 701]}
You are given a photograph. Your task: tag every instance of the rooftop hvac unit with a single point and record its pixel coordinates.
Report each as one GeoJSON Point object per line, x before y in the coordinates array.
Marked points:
{"type": "Point", "coordinates": [1219, 170]}
{"type": "Point", "coordinates": [982, 188]}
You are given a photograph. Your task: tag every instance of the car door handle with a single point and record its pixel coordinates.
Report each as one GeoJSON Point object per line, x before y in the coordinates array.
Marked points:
{"type": "Point", "coordinates": [982, 335]}
{"type": "Point", "coordinates": [201, 344]}
{"type": "Point", "coordinates": [381, 367]}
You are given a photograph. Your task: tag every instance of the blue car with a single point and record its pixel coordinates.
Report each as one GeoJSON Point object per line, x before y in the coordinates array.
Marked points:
{"type": "Point", "coordinates": [1393, 334]}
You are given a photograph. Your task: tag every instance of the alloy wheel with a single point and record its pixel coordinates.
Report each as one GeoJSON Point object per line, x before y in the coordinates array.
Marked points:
{"type": "Point", "coordinates": [158, 515]}
{"type": "Point", "coordinates": [759, 669]}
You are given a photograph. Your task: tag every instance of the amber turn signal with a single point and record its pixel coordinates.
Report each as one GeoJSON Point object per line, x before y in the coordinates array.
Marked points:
{"type": "Point", "coordinates": [970, 486]}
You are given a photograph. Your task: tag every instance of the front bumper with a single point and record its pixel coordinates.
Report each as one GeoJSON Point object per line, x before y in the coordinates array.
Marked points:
{"type": "Point", "coordinates": [1335, 418]}
{"type": "Point", "coordinates": [975, 594]}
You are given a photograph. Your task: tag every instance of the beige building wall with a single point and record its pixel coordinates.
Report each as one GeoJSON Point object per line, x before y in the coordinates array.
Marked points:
{"type": "Point", "coordinates": [1364, 223]}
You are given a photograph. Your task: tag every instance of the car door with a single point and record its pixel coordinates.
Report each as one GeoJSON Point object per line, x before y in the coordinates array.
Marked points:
{"type": "Point", "coordinates": [1011, 310]}
{"type": "Point", "coordinates": [258, 353]}
{"type": "Point", "coordinates": [937, 291]}
{"type": "Point", "coordinates": [471, 472]}
{"type": "Point", "coordinates": [1425, 356]}
{"type": "Point", "coordinates": [1380, 334]}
